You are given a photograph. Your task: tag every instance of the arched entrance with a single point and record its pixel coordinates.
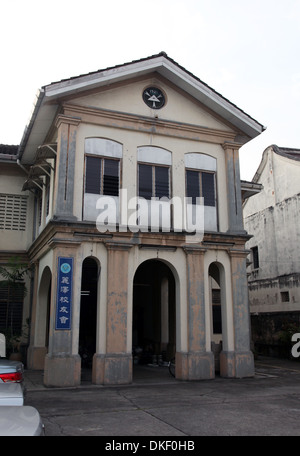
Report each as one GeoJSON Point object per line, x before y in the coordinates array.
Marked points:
{"type": "Point", "coordinates": [217, 299]}
{"type": "Point", "coordinates": [44, 299]}
{"type": "Point", "coordinates": [154, 314]}
{"type": "Point", "coordinates": [88, 313]}
{"type": "Point", "coordinates": [40, 339]}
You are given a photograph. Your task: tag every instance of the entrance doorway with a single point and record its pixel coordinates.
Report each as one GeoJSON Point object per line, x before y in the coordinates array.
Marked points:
{"type": "Point", "coordinates": [217, 304]}
{"type": "Point", "coordinates": [88, 312]}
{"type": "Point", "coordinates": [154, 315]}
{"type": "Point", "coordinates": [44, 298]}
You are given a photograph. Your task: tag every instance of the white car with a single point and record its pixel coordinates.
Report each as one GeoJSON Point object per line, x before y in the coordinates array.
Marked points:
{"type": "Point", "coordinates": [11, 394]}
{"type": "Point", "coordinates": [11, 371]}
{"type": "Point", "coordinates": [20, 421]}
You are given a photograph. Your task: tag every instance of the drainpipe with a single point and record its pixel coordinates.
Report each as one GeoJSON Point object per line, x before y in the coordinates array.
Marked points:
{"type": "Point", "coordinates": [23, 167]}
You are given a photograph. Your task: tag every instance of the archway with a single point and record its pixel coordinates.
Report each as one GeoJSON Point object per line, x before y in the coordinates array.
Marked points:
{"type": "Point", "coordinates": [40, 322]}
{"type": "Point", "coordinates": [217, 300]}
{"type": "Point", "coordinates": [88, 313]}
{"type": "Point", "coordinates": [44, 300]}
{"type": "Point", "coordinates": [154, 315]}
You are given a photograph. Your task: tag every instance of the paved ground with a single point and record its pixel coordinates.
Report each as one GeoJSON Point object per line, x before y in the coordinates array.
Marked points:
{"type": "Point", "coordinates": [157, 405]}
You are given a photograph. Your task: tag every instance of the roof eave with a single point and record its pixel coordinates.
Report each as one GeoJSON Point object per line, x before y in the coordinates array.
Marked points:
{"type": "Point", "coordinates": [44, 112]}
{"type": "Point", "coordinates": [171, 71]}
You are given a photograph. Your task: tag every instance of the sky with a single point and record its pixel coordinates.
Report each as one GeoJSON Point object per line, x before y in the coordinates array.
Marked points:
{"type": "Point", "coordinates": [247, 50]}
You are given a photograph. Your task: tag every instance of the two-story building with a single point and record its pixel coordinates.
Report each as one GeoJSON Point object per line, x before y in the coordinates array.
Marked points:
{"type": "Point", "coordinates": [272, 218]}
{"type": "Point", "coordinates": [107, 163]}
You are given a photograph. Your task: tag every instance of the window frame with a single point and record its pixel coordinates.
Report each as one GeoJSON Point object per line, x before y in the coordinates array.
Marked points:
{"type": "Point", "coordinates": [200, 181]}
{"type": "Point", "coordinates": [153, 180]}
{"type": "Point", "coordinates": [255, 257]}
{"type": "Point", "coordinates": [102, 159]}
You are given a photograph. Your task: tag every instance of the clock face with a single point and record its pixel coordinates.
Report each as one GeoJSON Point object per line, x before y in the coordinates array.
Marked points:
{"type": "Point", "coordinates": [154, 98]}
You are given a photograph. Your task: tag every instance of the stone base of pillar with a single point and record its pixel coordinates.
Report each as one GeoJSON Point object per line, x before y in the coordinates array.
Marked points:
{"type": "Point", "coordinates": [236, 364]}
{"type": "Point", "coordinates": [112, 369]}
{"type": "Point", "coordinates": [195, 366]}
{"type": "Point", "coordinates": [36, 357]}
{"type": "Point", "coordinates": [62, 370]}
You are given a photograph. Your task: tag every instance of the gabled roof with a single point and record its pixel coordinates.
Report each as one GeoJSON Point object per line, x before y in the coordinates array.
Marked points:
{"type": "Point", "coordinates": [44, 112]}
{"type": "Point", "coordinates": [292, 154]}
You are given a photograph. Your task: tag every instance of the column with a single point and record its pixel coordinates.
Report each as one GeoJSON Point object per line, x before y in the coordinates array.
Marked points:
{"type": "Point", "coordinates": [62, 365]}
{"type": "Point", "coordinates": [198, 363]}
{"type": "Point", "coordinates": [65, 168]}
{"type": "Point", "coordinates": [234, 193]}
{"type": "Point", "coordinates": [240, 362]}
{"type": "Point", "coordinates": [115, 366]}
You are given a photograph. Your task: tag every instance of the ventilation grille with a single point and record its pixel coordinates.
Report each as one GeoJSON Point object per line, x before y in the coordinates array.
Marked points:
{"type": "Point", "coordinates": [13, 210]}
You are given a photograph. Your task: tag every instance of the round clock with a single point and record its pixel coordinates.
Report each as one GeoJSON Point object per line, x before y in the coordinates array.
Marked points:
{"type": "Point", "coordinates": [154, 98]}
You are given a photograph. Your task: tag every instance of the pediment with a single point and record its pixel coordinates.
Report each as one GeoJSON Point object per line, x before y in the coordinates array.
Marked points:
{"type": "Point", "coordinates": [128, 98]}
{"type": "Point", "coordinates": [189, 100]}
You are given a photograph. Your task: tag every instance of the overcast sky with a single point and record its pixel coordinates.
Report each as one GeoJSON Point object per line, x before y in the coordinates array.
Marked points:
{"type": "Point", "coordinates": [247, 50]}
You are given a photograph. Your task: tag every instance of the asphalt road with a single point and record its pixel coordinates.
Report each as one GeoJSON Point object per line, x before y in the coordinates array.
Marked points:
{"type": "Point", "coordinates": [157, 405]}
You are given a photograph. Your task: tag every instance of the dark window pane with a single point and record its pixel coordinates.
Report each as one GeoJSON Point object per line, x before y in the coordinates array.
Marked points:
{"type": "Point", "coordinates": [111, 177]}
{"type": "Point", "coordinates": [208, 189]}
{"type": "Point", "coordinates": [11, 307]}
{"type": "Point", "coordinates": [93, 175]}
{"type": "Point", "coordinates": [192, 185]}
{"type": "Point", "coordinates": [161, 182]}
{"type": "Point", "coordinates": [145, 181]}
{"type": "Point", "coordinates": [255, 257]}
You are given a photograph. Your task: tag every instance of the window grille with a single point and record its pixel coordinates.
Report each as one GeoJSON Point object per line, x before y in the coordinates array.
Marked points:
{"type": "Point", "coordinates": [11, 307]}
{"type": "Point", "coordinates": [13, 212]}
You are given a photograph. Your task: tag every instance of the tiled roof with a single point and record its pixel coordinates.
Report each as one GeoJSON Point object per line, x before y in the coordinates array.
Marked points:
{"type": "Point", "coordinates": [287, 152]}
{"type": "Point", "coordinates": [7, 149]}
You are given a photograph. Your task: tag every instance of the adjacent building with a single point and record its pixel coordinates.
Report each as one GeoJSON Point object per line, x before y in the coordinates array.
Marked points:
{"type": "Point", "coordinates": [272, 217]}
{"type": "Point", "coordinates": [95, 199]}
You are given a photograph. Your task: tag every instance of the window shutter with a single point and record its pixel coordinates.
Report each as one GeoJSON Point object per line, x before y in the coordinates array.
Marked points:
{"type": "Point", "coordinates": [161, 182]}
{"type": "Point", "coordinates": [13, 212]}
{"type": "Point", "coordinates": [208, 189]}
{"type": "Point", "coordinates": [192, 183]}
{"type": "Point", "coordinates": [93, 175]}
{"type": "Point", "coordinates": [111, 177]}
{"type": "Point", "coordinates": [145, 181]}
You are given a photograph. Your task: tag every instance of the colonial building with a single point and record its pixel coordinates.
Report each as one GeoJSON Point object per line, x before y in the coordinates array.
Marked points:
{"type": "Point", "coordinates": [118, 274]}
{"type": "Point", "coordinates": [272, 218]}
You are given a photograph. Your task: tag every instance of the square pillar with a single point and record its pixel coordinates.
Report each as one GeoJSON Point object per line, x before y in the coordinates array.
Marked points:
{"type": "Point", "coordinates": [198, 363]}
{"type": "Point", "coordinates": [65, 167]}
{"type": "Point", "coordinates": [115, 366]}
{"type": "Point", "coordinates": [62, 366]}
{"type": "Point", "coordinates": [240, 362]}
{"type": "Point", "coordinates": [234, 193]}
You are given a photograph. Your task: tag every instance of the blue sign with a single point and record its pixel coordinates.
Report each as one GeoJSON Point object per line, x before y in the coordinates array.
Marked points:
{"type": "Point", "coordinates": [64, 293]}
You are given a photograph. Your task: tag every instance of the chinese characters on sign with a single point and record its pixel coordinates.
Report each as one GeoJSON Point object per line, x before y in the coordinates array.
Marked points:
{"type": "Point", "coordinates": [64, 293]}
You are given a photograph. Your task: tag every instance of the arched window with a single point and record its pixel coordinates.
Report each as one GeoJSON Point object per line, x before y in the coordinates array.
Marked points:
{"type": "Point", "coordinates": [201, 183]}
{"type": "Point", "coordinates": [102, 173]}
{"type": "Point", "coordinates": [102, 166]}
{"type": "Point", "coordinates": [154, 166]}
{"type": "Point", "coordinates": [154, 185]}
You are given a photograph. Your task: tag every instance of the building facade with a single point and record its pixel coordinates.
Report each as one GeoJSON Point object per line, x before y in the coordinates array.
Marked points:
{"type": "Point", "coordinates": [106, 164]}
{"type": "Point", "coordinates": [272, 218]}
